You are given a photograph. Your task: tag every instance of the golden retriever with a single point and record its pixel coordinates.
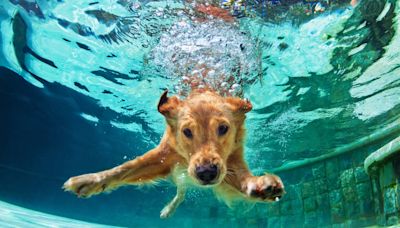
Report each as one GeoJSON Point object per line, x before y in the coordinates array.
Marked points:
{"type": "Point", "coordinates": [202, 144]}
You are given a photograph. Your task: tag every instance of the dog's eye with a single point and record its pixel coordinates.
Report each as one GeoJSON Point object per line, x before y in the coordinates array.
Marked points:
{"type": "Point", "coordinates": [222, 129]}
{"type": "Point", "coordinates": [188, 133]}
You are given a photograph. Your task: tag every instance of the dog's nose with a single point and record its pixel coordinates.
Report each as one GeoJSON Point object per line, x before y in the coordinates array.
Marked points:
{"type": "Point", "coordinates": [207, 173]}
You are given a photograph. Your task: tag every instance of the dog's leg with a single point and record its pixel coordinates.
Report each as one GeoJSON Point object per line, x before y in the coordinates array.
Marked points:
{"type": "Point", "coordinates": [179, 177]}
{"type": "Point", "coordinates": [170, 208]}
{"type": "Point", "coordinates": [268, 187]}
{"type": "Point", "coordinates": [156, 163]}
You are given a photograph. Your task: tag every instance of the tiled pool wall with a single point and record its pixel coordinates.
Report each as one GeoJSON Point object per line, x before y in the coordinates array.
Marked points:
{"type": "Point", "coordinates": [335, 191]}
{"type": "Point", "coordinates": [389, 192]}
{"type": "Point", "coordinates": [339, 192]}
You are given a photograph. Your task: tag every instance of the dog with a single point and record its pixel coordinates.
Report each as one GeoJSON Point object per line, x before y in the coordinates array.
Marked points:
{"type": "Point", "coordinates": [202, 145]}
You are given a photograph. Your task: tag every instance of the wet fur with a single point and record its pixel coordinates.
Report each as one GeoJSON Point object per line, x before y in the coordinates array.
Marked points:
{"type": "Point", "coordinates": [177, 156]}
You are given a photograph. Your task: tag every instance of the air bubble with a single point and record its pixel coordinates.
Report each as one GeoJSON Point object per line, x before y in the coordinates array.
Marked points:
{"type": "Point", "coordinates": [206, 55]}
{"type": "Point", "coordinates": [235, 86]}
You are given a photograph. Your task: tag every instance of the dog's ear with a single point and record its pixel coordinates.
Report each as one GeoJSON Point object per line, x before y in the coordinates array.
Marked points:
{"type": "Point", "coordinates": [168, 106]}
{"type": "Point", "coordinates": [238, 105]}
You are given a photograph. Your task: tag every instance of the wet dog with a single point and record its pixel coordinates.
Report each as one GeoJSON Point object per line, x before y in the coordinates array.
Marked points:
{"type": "Point", "coordinates": [202, 145]}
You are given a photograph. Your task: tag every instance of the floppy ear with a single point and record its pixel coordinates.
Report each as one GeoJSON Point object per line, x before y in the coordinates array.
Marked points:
{"type": "Point", "coordinates": [168, 106]}
{"type": "Point", "coordinates": [240, 106]}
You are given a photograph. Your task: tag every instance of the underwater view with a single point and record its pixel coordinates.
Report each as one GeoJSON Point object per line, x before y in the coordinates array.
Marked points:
{"type": "Point", "coordinates": [81, 81]}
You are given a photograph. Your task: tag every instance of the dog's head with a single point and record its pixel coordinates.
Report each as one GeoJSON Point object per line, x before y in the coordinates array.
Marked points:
{"type": "Point", "coordinates": [205, 129]}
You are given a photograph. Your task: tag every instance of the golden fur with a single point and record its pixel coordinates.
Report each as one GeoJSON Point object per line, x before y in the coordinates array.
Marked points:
{"type": "Point", "coordinates": [177, 155]}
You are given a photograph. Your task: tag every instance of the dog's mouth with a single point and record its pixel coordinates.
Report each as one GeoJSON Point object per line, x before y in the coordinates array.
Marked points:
{"type": "Point", "coordinates": [208, 183]}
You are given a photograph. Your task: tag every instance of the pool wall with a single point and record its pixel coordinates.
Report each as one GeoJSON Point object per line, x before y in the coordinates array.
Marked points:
{"type": "Point", "coordinates": [337, 189]}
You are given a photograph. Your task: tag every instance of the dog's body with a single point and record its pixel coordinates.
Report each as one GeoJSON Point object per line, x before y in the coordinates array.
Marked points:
{"type": "Point", "coordinates": [203, 142]}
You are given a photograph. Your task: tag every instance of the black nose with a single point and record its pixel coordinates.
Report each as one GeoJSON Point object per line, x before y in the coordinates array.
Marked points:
{"type": "Point", "coordinates": [207, 173]}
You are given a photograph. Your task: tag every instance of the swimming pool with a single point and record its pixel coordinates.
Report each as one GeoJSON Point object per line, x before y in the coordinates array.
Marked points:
{"type": "Point", "coordinates": [80, 83]}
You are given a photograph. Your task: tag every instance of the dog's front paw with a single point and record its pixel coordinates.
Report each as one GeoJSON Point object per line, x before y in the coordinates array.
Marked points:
{"type": "Point", "coordinates": [268, 187]}
{"type": "Point", "coordinates": [86, 185]}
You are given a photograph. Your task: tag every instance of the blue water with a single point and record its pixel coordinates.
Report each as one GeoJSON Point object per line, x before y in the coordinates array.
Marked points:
{"type": "Point", "coordinates": [79, 85]}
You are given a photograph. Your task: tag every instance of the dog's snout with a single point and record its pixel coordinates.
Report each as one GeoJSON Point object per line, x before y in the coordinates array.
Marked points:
{"type": "Point", "coordinates": [207, 173]}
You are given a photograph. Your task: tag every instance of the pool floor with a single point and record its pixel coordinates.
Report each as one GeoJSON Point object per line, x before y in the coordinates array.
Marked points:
{"type": "Point", "coordinates": [15, 216]}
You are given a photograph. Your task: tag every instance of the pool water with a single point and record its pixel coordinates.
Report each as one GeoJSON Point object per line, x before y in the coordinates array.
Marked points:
{"type": "Point", "coordinates": [79, 84]}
